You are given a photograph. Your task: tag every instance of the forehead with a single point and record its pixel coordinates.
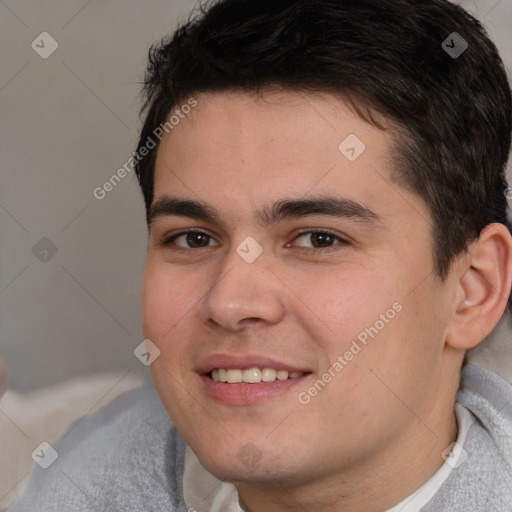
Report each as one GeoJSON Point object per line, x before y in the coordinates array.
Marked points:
{"type": "Point", "coordinates": [237, 150]}
{"type": "Point", "coordinates": [259, 124]}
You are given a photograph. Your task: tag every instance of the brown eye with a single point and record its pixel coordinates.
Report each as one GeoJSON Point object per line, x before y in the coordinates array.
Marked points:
{"type": "Point", "coordinates": [190, 240]}
{"type": "Point", "coordinates": [318, 239]}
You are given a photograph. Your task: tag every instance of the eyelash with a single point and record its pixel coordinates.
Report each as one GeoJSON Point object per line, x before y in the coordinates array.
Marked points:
{"type": "Point", "coordinates": [169, 240]}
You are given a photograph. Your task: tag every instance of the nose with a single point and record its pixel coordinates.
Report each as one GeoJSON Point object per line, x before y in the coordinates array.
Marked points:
{"type": "Point", "coordinates": [244, 294]}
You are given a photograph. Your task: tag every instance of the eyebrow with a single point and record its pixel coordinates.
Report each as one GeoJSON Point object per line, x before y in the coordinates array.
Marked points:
{"type": "Point", "coordinates": [283, 209]}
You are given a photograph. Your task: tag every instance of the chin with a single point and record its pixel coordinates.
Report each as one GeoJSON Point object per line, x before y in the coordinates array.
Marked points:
{"type": "Point", "coordinates": [249, 465]}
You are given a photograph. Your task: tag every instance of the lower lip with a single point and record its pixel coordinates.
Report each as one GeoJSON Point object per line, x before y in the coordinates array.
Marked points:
{"type": "Point", "coordinates": [245, 394]}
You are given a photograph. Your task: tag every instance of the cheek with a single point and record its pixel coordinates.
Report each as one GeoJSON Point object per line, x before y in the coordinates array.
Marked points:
{"type": "Point", "coordinates": [368, 323]}
{"type": "Point", "coordinates": [165, 313]}
{"type": "Point", "coordinates": [347, 305]}
{"type": "Point", "coordinates": [170, 302]}
{"type": "Point", "coordinates": [155, 301]}
{"type": "Point", "coordinates": [165, 300]}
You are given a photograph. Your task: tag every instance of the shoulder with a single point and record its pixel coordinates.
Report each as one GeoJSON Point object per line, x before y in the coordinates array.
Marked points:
{"type": "Point", "coordinates": [126, 456]}
{"type": "Point", "coordinates": [483, 481]}
{"type": "Point", "coordinates": [486, 394]}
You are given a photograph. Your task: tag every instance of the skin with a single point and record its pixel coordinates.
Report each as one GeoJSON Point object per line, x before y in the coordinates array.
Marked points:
{"type": "Point", "coordinates": [376, 432]}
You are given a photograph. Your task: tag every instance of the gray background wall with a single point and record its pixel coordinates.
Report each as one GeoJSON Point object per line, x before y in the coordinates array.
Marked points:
{"type": "Point", "coordinates": [68, 123]}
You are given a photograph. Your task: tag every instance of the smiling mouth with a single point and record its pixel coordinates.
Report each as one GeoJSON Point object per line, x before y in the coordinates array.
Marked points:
{"type": "Point", "coordinates": [251, 375]}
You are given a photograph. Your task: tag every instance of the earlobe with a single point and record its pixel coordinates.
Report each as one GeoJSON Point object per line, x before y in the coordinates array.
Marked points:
{"type": "Point", "coordinates": [483, 288]}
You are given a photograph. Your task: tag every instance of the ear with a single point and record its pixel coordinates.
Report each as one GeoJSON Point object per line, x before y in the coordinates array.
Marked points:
{"type": "Point", "coordinates": [483, 287]}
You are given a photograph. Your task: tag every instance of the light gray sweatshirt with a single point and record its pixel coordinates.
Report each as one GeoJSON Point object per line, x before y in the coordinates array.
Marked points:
{"type": "Point", "coordinates": [129, 457]}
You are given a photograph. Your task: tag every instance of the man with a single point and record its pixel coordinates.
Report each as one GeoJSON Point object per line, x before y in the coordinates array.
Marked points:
{"type": "Point", "coordinates": [326, 201]}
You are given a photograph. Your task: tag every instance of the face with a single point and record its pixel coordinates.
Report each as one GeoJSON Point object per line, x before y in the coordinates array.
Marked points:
{"type": "Point", "coordinates": [302, 256]}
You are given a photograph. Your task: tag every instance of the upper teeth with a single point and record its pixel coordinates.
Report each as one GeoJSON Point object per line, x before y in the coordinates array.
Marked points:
{"type": "Point", "coordinates": [252, 375]}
